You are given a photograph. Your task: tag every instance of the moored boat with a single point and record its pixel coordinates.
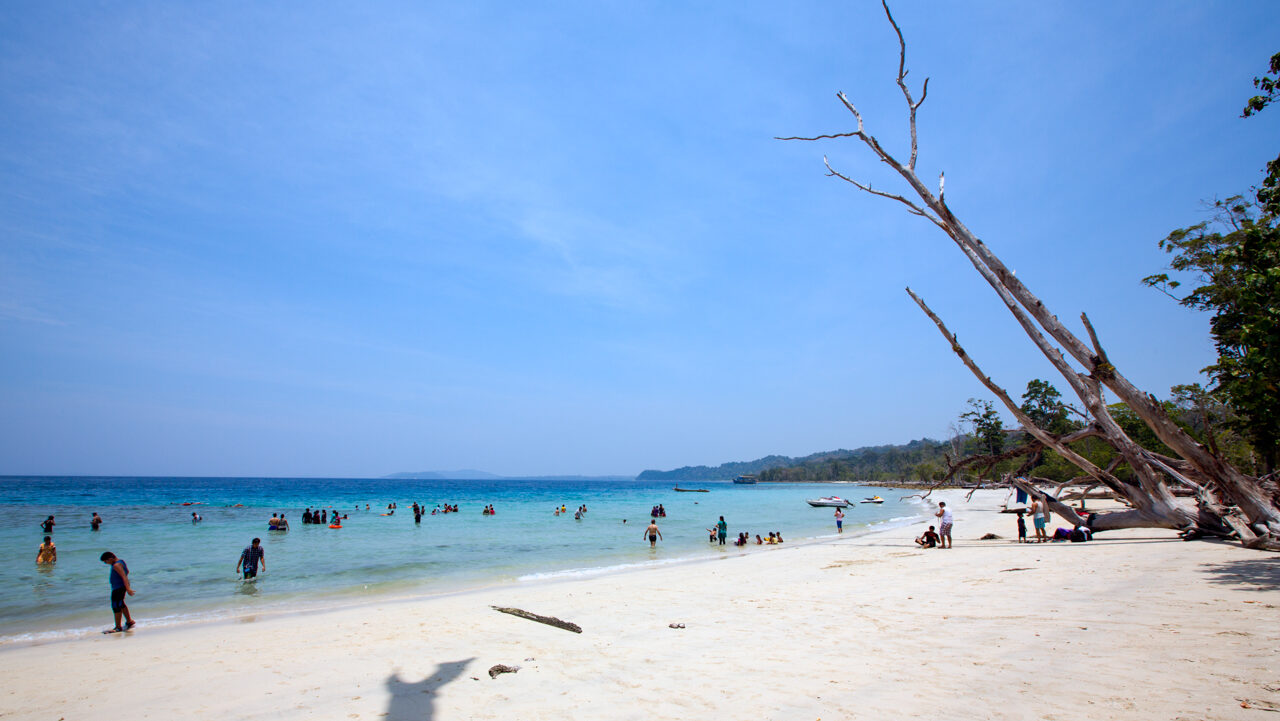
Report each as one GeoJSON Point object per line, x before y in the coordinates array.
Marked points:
{"type": "Point", "coordinates": [828, 501]}
{"type": "Point", "coordinates": [745, 480]}
{"type": "Point", "coordinates": [690, 490]}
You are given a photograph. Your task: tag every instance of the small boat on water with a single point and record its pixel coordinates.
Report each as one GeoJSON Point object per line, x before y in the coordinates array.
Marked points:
{"type": "Point", "coordinates": [828, 501]}
{"type": "Point", "coordinates": [745, 480]}
{"type": "Point", "coordinates": [873, 499]}
{"type": "Point", "coordinates": [678, 489]}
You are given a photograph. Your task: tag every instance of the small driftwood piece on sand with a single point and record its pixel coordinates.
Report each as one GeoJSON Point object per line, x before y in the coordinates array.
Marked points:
{"type": "Point", "coordinates": [549, 620]}
{"type": "Point", "coordinates": [502, 668]}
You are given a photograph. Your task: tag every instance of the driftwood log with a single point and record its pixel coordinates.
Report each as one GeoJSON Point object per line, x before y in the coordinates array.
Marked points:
{"type": "Point", "coordinates": [501, 668]}
{"type": "Point", "coordinates": [549, 620]}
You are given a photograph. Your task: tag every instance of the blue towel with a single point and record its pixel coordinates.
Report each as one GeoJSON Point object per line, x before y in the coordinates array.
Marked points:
{"type": "Point", "coordinates": [1022, 496]}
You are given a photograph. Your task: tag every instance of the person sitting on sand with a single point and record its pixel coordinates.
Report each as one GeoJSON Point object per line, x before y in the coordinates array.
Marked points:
{"type": "Point", "coordinates": [47, 553]}
{"type": "Point", "coordinates": [929, 539]}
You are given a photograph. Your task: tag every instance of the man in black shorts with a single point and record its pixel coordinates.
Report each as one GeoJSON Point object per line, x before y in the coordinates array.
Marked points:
{"type": "Point", "coordinates": [250, 558]}
{"type": "Point", "coordinates": [119, 587]}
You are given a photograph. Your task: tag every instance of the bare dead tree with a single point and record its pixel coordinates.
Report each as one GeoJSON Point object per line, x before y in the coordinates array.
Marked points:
{"type": "Point", "coordinates": [1227, 500]}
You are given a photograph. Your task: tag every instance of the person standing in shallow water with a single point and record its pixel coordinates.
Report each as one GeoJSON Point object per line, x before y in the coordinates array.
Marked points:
{"type": "Point", "coordinates": [95, 522]}
{"type": "Point", "coordinates": [653, 533]}
{"type": "Point", "coordinates": [839, 521]}
{"type": "Point", "coordinates": [47, 553]}
{"type": "Point", "coordinates": [722, 530]}
{"type": "Point", "coordinates": [120, 586]}
{"type": "Point", "coordinates": [250, 558]}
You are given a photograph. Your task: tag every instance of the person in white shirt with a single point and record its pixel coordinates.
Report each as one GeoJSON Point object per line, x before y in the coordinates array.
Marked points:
{"type": "Point", "coordinates": [944, 527]}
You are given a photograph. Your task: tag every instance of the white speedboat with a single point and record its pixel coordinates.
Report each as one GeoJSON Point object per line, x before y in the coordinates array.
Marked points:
{"type": "Point", "coordinates": [828, 501]}
{"type": "Point", "coordinates": [873, 499]}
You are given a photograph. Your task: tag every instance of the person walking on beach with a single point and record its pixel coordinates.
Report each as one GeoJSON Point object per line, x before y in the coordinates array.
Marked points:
{"type": "Point", "coordinates": [722, 530]}
{"type": "Point", "coordinates": [95, 522]}
{"type": "Point", "coordinates": [944, 527]}
{"type": "Point", "coordinates": [653, 533]}
{"type": "Point", "coordinates": [250, 558]}
{"type": "Point", "coordinates": [839, 521]}
{"type": "Point", "coordinates": [120, 586]}
{"type": "Point", "coordinates": [47, 553]}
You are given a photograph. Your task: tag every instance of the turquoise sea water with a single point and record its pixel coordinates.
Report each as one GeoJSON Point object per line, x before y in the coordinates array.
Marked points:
{"type": "Point", "coordinates": [184, 571]}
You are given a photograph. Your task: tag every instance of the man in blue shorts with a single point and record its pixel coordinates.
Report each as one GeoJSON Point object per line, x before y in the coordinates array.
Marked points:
{"type": "Point", "coordinates": [119, 578]}
{"type": "Point", "coordinates": [250, 558]}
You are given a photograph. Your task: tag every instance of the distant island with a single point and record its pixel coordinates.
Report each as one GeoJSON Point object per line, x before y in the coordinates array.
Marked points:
{"type": "Point", "coordinates": [471, 474]}
{"type": "Point", "coordinates": [909, 461]}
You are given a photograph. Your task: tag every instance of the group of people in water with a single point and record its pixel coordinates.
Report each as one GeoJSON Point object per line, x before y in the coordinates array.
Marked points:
{"type": "Point", "coordinates": [744, 539]}
{"type": "Point", "coordinates": [577, 515]}
{"type": "Point", "coordinates": [319, 516]}
{"type": "Point", "coordinates": [47, 553]}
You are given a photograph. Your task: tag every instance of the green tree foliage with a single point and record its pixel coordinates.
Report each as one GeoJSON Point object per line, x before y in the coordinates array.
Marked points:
{"type": "Point", "coordinates": [918, 460]}
{"type": "Point", "coordinates": [1235, 258]}
{"type": "Point", "coordinates": [1269, 193]}
{"type": "Point", "coordinates": [1236, 261]}
{"type": "Point", "coordinates": [1213, 423]}
{"type": "Point", "coordinates": [987, 427]}
{"type": "Point", "coordinates": [1043, 405]}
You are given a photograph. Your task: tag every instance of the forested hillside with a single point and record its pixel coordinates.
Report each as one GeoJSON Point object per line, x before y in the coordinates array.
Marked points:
{"type": "Point", "coordinates": [871, 463]}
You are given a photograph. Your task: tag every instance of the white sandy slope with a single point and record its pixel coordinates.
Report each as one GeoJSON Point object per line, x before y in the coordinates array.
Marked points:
{"type": "Point", "coordinates": [1136, 625]}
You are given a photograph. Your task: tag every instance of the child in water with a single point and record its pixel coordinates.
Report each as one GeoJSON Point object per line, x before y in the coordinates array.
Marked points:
{"type": "Point", "coordinates": [47, 553]}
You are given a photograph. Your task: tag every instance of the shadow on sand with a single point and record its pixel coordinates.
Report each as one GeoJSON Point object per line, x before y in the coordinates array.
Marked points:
{"type": "Point", "coordinates": [416, 701]}
{"type": "Point", "coordinates": [1250, 574]}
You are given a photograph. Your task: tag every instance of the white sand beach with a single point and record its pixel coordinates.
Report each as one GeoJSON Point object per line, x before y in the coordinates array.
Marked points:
{"type": "Point", "coordinates": [1135, 625]}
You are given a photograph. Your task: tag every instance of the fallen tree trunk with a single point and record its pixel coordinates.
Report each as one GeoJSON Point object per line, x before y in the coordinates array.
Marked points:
{"type": "Point", "coordinates": [1228, 500]}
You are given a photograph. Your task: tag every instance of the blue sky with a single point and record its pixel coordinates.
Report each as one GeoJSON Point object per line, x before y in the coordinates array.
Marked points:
{"type": "Point", "coordinates": [343, 239]}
